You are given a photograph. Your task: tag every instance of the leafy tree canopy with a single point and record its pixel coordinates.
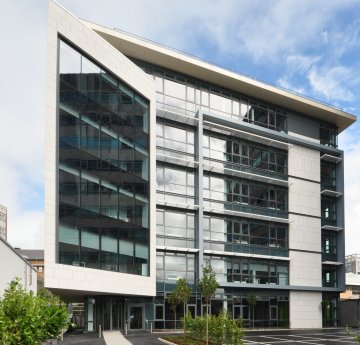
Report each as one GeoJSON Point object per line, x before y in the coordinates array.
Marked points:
{"type": "Point", "coordinates": [29, 319]}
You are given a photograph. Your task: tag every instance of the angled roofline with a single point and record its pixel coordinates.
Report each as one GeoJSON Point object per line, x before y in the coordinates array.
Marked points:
{"type": "Point", "coordinates": [145, 50]}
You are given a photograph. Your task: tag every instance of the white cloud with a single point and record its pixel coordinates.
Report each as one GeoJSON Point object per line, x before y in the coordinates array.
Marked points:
{"type": "Point", "coordinates": [262, 30]}
{"type": "Point", "coordinates": [286, 84]}
{"type": "Point", "coordinates": [31, 225]}
{"type": "Point", "coordinates": [334, 83]}
{"type": "Point", "coordinates": [298, 63]}
{"type": "Point", "coordinates": [22, 90]}
{"type": "Point", "coordinates": [352, 191]}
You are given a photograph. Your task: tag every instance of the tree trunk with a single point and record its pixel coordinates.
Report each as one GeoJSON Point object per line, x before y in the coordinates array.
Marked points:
{"type": "Point", "coordinates": [207, 322]}
{"type": "Point", "coordinates": [175, 317]}
{"type": "Point", "coordinates": [184, 319]}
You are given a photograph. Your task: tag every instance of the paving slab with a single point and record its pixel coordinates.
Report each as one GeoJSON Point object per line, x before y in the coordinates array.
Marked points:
{"type": "Point", "coordinates": [115, 338]}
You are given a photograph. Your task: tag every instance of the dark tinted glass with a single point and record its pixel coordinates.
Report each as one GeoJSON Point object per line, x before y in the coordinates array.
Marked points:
{"type": "Point", "coordinates": [103, 168]}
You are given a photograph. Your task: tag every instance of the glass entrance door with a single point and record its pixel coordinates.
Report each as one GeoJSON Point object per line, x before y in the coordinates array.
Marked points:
{"type": "Point", "coordinates": [116, 315]}
{"type": "Point", "coordinates": [241, 311]}
{"type": "Point", "coordinates": [136, 317]}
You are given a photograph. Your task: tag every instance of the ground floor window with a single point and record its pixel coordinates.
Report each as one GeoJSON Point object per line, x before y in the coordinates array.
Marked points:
{"type": "Point", "coordinates": [256, 309]}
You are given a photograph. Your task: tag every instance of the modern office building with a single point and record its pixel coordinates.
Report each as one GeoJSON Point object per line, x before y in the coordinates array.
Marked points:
{"type": "Point", "coordinates": [3, 222]}
{"type": "Point", "coordinates": [158, 162]}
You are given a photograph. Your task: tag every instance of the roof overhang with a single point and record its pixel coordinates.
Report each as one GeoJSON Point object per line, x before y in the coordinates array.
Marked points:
{"type": "Point", "coordinates": [145, 50]}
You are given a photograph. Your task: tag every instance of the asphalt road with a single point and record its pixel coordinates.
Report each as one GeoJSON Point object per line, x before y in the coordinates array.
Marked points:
{"type": "Point", "coordinates": [334, 336]}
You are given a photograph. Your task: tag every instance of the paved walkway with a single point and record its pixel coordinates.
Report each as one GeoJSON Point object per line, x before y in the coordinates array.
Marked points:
{"type": "Point", "coordinates": [109, 338]}
{"type": "Point", "coordinates": [115, 338]}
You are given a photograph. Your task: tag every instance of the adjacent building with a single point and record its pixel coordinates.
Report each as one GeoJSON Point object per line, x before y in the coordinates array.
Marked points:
{"type": "Point", "coordinates": [3, 222]}
{"type": "Point", "coordinates": [352, 263]}
{"type": "Point", "coordinates": [16, 267]}
{"type": "Point", "coordinates": [158, 162]}
{"type": "Point", "coordinates": [36, 258]}
{"type": "Point", "coordinates": [352, 277]}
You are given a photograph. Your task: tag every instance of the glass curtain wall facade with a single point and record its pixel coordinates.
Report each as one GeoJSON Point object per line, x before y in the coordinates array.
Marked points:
{"type": "Point", "coordinates": [243, 230]}
{"type": "Point", "coordinates": [103, 168]}
{"type": "Point", "coordinates": [179, 240]}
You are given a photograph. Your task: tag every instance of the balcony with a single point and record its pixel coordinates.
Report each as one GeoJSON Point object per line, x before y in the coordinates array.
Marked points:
{"type": "Point", "coordinates": [328, 222]}
{"type": "Point", "coordinates": [247, 171]}
{"type": "Point", "coordinates": [245, 248]}
{"type": "Point", "coordinates": [328, 183]}
{"type": "Point", "coordinates": [269, 209]}
{"type": "Point", "coordinates": [328, 257]}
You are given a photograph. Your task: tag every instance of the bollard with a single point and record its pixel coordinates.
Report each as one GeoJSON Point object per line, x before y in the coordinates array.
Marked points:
{"type": "Point", "coordinates": [150, 327]}
{"type": "Point", "coordinates": [126, 328]}
{"type": "Point", "coordinates": [99, 331]}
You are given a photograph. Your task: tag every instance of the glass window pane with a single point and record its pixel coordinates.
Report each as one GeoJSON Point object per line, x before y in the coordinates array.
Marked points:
{"type": "Point", "coordinates": [89, 239]}
{"type": "Point", "coordinates": [174, 89]}
{"type": "Point", "coordinates": [70, 59]}
{"type": "Point", "coordinates": [126, 247]}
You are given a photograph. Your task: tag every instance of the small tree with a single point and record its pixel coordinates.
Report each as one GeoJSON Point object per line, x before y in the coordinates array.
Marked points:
{"type": "Point", "coordinates": [252, 302]}
{"type": "Point", "coordinates": [183, 293]}
{"type": "Point", "coordinates": [207, 286]}
{"type": "Point", "coordinates": [29, 319]}
{"type": "Point", "coordinates": [174, 301]}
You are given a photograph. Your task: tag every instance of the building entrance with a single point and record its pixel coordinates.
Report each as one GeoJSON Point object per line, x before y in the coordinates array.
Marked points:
{"type": "Point", "coordinates": [109, 313]}
{"type": "Point", "coordinates": [136, 316]}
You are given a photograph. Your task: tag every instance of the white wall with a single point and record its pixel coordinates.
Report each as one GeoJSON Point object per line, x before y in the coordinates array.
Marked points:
{"type": "Point", "coordinates": [14, 266]}
{"type": "Point", "coordinates": [305, 236]}
{"type": "Point", "coordinates": [71, 277]}
{"type": "Point", "coordinates": [305, 309]}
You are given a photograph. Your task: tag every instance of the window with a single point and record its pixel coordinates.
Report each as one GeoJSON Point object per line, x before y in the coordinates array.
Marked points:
{"type": "Point", "coordinates": [175, 180]}
{"type": "Point", "coordinates": [159, 312]}
{"type": "Point", "coordinates": [328, 175]}
{"type": "Point", "coordinates": [238, 153]}
{"type": "Point", "coordinates": [328, 210]}
{"type": "Point", "coordinates": [103, 168]}
{"type": "Point", "coordinates": [328, 135]}
{"type": "Point", "coordinates": [250, 271]}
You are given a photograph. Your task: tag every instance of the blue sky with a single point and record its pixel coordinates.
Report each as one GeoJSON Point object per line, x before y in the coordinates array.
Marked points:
{"type": "Point", "coordinates": [311, 47]}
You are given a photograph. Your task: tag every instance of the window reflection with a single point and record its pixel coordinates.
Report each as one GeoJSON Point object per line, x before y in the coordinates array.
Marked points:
{"type": "Point", "coordinates": [177, 265]}
{"type": "Point", "coordinates": [250, 271]}
{"type": "Point", "coordinates": [242, 155]}
{"type": "Point", "coordinates": [184, 95]}
{"type": "Point", "coordinates": [175, 180]}
{"type": "Point", "coordinates": [103, 168]}
{"type": "Point", "coordinates": [245, 192]}
{"type": "Point", "coordinates": [175, 138]}
{"type": "Point", "coordinates": [246, 236]}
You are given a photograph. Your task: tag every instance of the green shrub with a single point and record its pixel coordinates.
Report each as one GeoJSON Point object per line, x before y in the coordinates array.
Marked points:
{"type": "Point", "coordinates": [29, 319]}
{"type": "Point", "coordinates": [195, 327]}
{"type": "Point", "coordinates": [222, 329]}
